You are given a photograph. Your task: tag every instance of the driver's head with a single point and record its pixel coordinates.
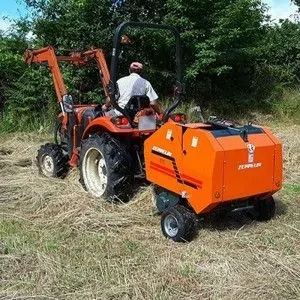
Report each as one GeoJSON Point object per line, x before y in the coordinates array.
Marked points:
{"type": "Point", "coordinates": [135, 67]}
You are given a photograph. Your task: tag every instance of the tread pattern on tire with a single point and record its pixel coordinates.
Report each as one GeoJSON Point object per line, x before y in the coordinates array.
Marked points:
{"type": "Point", "coordinates": [59, 158]}
{"type": "Point", "coordinates": [265, 209]}
{"type": "Point", "coordinates": [119, 166]}
{"type": "Point", "coordinates": [187, 223]}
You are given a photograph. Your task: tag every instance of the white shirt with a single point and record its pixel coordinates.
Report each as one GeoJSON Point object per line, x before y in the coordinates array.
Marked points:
{"type": "Point", "coordinates": [133, 85]}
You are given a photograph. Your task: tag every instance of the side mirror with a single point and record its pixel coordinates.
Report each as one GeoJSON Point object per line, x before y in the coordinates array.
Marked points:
{"type": "Point", "coordinates": [67, 103]}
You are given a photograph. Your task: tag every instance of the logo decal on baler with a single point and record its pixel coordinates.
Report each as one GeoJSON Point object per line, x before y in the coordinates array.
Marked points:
{"type": "Point", "coordinates": [161, 150]}
{"type": "Point", "coordinates": [251, 164]}
{"type": "Point", "coordinates": [251, 150]}
{"type": "Point", "coordinates": [181, 178]}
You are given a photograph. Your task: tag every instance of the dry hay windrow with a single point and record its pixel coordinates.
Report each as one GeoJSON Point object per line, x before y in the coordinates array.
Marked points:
{"type": "Point", "coordinates": [57, 242]}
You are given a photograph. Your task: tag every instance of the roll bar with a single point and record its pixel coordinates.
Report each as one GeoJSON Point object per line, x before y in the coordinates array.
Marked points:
{"type": "Point", "coordinates": [113, 90]}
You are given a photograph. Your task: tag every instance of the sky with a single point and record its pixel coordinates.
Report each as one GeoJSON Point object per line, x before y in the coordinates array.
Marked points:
{"type": "Point", "coordinates": [279, 9]}
{"type": "Point", "coordinates": [10, 9]}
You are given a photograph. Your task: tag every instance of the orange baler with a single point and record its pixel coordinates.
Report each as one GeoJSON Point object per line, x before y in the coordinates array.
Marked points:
{"type": "Point", "coordinates": [200, 167]}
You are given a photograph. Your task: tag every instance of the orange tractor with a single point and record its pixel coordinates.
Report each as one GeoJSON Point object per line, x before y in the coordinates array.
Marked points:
{"type": "Point", "coordinates": [196, 168]}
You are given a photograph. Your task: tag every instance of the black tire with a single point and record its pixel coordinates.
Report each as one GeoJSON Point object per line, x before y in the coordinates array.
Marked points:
{"type": "Point", "coordinates": [57, 133]}
{"type": "Point", "coordinates": [178, 223]}
{"type": "Point", "coordinates": [106, 168]}
{"type": "Point", "coordinates": [63, 139]}
{"type": "Point", "coordinates": [51, 161]}
{"type": "Point", "coordinates": [264, 209]}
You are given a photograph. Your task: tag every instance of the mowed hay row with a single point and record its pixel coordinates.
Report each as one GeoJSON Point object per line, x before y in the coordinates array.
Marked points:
{"type": "Point", "coordinates": [57, 201]}
{"type": "Point", "coordinates": [57, 242]}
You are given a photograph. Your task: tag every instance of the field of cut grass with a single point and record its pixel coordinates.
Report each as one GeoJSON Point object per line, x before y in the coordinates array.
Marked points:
{"type": "Point", "coordinates": [57, 242]}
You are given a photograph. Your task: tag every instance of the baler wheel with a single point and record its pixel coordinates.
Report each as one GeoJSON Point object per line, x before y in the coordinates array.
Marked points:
{"type": "Point", "coordinates": [178, 223]}
{"type": "Point", "coordinates": [264, 209]}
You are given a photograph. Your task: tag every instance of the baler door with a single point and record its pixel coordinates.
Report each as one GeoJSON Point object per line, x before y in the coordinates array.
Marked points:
{"type": "Point", "coordinates": [248, 166]}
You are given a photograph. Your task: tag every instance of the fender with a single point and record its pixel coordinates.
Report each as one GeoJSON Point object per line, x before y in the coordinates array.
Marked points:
{"type": "Point", "coordinates": [102, 124]}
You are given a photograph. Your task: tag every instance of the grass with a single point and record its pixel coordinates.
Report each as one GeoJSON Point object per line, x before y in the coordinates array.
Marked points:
{"type": "Point", "coordinates": [23, 123]}
{"type": "Point", "coordinates": [57, 242]}
{"type": "Point", "coordinates": [289, 106]}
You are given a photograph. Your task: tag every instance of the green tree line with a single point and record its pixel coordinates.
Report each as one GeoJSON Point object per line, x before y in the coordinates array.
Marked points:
{"type": "Point", "coordinates": [236, 59]}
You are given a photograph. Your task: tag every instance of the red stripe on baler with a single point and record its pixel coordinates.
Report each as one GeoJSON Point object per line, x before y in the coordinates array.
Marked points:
{"type": "Point", "coordinates": [196, 181]}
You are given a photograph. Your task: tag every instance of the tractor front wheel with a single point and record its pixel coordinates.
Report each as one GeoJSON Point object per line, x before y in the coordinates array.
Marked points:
{"type": "Point", "coordinates": [178, 223]}
{"type": "Point", "coordinates": [105, 168]}
{"type": "Point", "coordinates": [51, 161]}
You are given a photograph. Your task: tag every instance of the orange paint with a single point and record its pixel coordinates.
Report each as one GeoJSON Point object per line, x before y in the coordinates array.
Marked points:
{"type": "Point", "coordinates": [212, 170]}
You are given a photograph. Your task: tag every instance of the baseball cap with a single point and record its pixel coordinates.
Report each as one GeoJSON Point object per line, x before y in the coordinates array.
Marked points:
{"type": "Point", "coordinates": [136, 66]}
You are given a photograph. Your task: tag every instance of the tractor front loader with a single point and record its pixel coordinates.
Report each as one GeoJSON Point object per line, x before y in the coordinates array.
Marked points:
{"type": "Point", "coordinates": [73, 118]}
{"type": "Point", "coordinates": [81, 132]}
{"type": "Point", "coordinates": [196, 168]}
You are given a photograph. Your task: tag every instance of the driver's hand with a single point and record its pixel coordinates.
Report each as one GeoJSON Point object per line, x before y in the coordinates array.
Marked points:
{"type": "Point", "coordinates": [159, 116]}
{"type": "Point", "coordinates": [104, 107]}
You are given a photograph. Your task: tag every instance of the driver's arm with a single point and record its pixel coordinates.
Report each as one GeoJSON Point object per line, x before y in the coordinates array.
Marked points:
{"type": "Point", "coordinates": [107, 104]}
{"type": "Point", "coordinates": [153, 98]}
{"type": "Point", "coordinates": [155, 105]}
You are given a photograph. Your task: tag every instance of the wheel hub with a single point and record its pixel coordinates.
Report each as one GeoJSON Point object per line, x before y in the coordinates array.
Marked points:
{"type": "Point", "coordinates": [102, 173]}
{"type": "Point", "coordinates": [95, 172]}
{"type": "Point", "coordinates": [171, 225]}
{"type": "Point", "coordinates": [47, 165]}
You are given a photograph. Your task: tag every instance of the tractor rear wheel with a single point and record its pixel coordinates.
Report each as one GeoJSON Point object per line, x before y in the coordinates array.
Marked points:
{"type": "Point", "coordinates": [264, 209]}
{"type": "Point", "coordinates": [178, 223]}
{"type": "Point", "coordinates": [105, 168]}
{"type": "Point", "coordinates": [51, 161]}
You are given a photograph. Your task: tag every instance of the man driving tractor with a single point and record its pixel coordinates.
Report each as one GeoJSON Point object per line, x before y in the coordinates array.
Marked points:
{"type": "Point", "coordinates": [133, 85]}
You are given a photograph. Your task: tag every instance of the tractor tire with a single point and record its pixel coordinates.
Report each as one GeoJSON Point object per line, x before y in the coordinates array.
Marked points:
{"type": "Point", "coordinates": [264, 209]}
{"type": "Point", "coordinates": [178, 224]}
{"type": "Point", "coordinates": [51, 161]}
{"type": "Point", "coordinates": [106, 168]}
{"type": "Point", "coordinates": [57, 133]}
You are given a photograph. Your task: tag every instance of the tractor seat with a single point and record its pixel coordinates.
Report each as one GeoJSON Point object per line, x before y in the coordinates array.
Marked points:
{"type": "Point", "coordinates": [136, 103]}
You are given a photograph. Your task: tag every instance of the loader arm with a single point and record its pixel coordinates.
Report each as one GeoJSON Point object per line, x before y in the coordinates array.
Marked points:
{"type": "Point", "coordinates": [48, 57]}
{"type": "Point", "coordinates": [98, 55]}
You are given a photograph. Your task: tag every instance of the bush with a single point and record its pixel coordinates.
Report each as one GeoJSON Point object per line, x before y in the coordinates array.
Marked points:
{"type": "Point", "coordinates": [288, 106]}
